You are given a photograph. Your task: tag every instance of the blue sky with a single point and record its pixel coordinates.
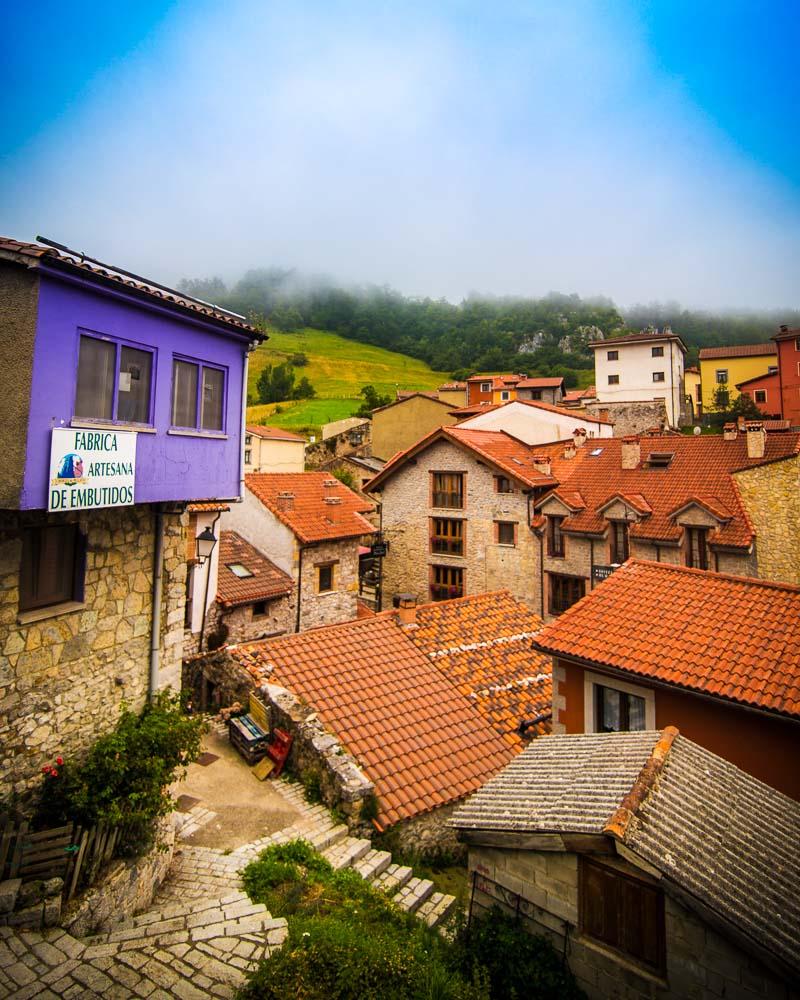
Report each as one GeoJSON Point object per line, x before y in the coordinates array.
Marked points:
{"type": "Point", "coordinates": [640, 150]}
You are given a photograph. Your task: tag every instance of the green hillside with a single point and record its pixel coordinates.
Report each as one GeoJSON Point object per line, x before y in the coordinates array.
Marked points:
{"type": "Point", "coordinates": [337, 368]}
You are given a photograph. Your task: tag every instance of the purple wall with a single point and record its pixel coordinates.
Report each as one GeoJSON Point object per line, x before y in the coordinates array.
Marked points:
{"type": "Point", "coordinates": [168, 467]}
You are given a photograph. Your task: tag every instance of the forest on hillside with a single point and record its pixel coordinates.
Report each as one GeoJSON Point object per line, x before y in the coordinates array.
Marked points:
{"type": "Point", "coordinates": [543, 336]}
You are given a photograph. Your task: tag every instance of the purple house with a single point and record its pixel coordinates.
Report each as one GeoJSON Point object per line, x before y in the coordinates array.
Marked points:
{"type": "Point", "coordinates": [121, 401]}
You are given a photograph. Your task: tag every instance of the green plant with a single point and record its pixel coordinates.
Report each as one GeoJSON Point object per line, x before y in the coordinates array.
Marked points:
{"type": "Point", "coordinates": [312, 786]}
{"type": "Point", "coordinates": [125, 777]}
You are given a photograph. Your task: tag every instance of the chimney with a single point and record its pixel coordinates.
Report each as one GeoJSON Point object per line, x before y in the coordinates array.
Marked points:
{"type": "Point", "coordinates": [542, 464]}
{"type": "Point", "coordinates": [569, 450]}
{"type": "Point", "coordinates": [784, 328]}
{"type": "Point", "coordinates": [285, 498]}
{"type": "Point", "coordinates": [756, 439]}
{"type": "Point", "coordinates": [730, 432]}
{"type": "Point", "coordinates": [407, 610]}
{"type": "Point", "coordinates": [579, 437]}
{"type": "Point", "coordinates": [740, 424]}
{"type": "Point", "coordinates": [631, 452]}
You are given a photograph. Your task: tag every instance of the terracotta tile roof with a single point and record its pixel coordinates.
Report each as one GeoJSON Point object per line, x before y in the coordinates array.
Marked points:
{"type": "Point", "coordinates": [473, 410]}
{"type": "Point", "coordinates": [417, 737]}
{"type": "Point", "coordinates": [266, 580]}
{"type": "Point", "coordinates": [577, 394]}
{"type": "Point", "coordinates": [403, 397]}
{"type": "Point", "coordinates": [638, 338]}
{"type": "Point", "coordinates": [766, 378]}
{"type": "Point", "coordinates": [498, 380]}
{"type": "Point", "coordinates": [273, 433]}
{"type": "Point", "coordinates": [208, 507]}
{"type": "Point", "coordinates": [506, 452]}
{"type": "Point", "coordinates": [776, 426]}
{"type": "Point", "coordinates": [73, 261]}
{"type": "Point", "coordinates": [316, 507]}
{"type": "Point", "coordinates": [452, 386]}
{"type": "Point", "coordinates": [540, 383]}
{"type": "Point", "coordinates": [482, 643]}
{"type": "Point", "coordinates": [700, 467]}
{"type": "Point", "coordinates": [363, 610]}
{"type": "Point", "coordinates": [737, 351]}
{"type": "Point", "coordinates": [715, 833]}
{"type": "Point", "coordinates": [538, 404]}
{"type": "Point", "coordinates": [732, 637]}
{"type": "Point", "coordinates": [784, 333]}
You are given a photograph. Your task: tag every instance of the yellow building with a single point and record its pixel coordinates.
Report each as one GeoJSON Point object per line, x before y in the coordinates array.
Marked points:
{"type": "Point", "coordinates": [400, 424]}
{"type": "Point", "coordinates": [725, 367]}
{"type": "Point", "coordinates": [692, 389]}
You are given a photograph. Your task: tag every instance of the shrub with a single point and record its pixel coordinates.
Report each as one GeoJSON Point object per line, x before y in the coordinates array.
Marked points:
{"type": "Point", "coordinates": [125, 778]}
{"type": "Point", "coordinates": [519, 964]}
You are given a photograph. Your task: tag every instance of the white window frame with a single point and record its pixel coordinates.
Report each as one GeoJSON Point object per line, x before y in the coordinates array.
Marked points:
{"type": "Point", "coordinates": [590, 681]}
{"type": "Point", "coordinates": [486, 387]}
{"type": "Point", "coordinates": [505, 395]}
{"type": "Point", "coordinates": [721, 376]}
{"type": "Point", "coordinates": [659, 377]}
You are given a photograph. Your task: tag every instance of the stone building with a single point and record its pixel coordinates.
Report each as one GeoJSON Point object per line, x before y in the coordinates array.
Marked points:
{"type": "Point", "coordinates": [542, 390]}
{"type": "Point", "coordinates": [310, 526]}
{"type": "Point", "coordinates": [120, 402]}
{"type": "Point", "coordinates": [468, 510]}
{"type": "Point", "coordinates": [658, 869]}
{"type": "Point", "coordinates": [430, 700]}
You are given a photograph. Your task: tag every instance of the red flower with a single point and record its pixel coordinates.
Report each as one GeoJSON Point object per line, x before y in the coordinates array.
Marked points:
{"type": "Point", "coordinates": [59, 761]}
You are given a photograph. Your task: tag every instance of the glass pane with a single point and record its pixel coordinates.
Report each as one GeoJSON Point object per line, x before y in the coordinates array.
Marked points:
{"type": "Point", "coordinates": [48, 566]}
{"type": "Point", "coordinates": [184, 394]}
{"type": "Point", "coordinates": [133, 387]}
{"type": "Point", "coordinates": [95, 392]}
{"type": "Point", "coordinates": [213, 390]}
{"type": "Point", "coordinates": [636, 721]}
{"type": "Point", "coordinates": [609, 716]}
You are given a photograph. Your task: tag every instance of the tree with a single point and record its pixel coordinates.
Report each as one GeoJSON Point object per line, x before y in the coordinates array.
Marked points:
{"type": "Point", "coordinates": [304, 390]}
{"type": "Point", "coordinates": [275, 384]}
{"type": "Point", "coordinates": [372, 400]}
{"type": "Point", "coordinates": [720, 399]}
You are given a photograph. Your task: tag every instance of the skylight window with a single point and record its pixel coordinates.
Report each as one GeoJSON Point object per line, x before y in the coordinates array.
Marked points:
{"type": "Point", "coordinates": [239, 570]}
{"type": "Point", "coordinates": [660, 459]}
{"type": "Point", "coordinates": [596, 451]}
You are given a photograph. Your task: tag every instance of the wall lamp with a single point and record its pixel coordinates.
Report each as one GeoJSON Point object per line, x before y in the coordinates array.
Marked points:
{"type": "Point", "coordinates": [205, 543]}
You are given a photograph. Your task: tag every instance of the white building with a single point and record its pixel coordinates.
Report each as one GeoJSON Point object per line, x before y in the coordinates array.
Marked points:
{"type": "Point", "coordinates": [641, 367]}
{"type": "Point", "coordinates": [273, 449]}
{"type": "Point", "coordinates": [538, 423]}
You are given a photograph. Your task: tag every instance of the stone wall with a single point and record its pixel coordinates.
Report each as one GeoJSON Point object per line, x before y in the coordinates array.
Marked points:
{"type": "Point", "coordinates": [64, 676]}
{"type": "Point", "coordinates": [771, 495]}
{"type": "Point", "coordinates": [487, 566]}
{"type": "Point", "coordinates": [338, 605]}
{"type": "Point", "coordinates": [344, 443]}
{"type": "Point", "coordinates": [429, 835]}
{"type": "Point", "coordinates": [242, 624]}
{"type": "Point", "coordinates": [700, 963]}
{"type": "Point", "coordinates": [123, 889]}
{"type": "Point", "coordinates": [630, 418]}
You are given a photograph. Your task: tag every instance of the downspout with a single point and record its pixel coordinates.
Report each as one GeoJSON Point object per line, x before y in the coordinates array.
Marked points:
{"type": "Point", "coordinates": [155, 628]}
{"type": "Point", "coordinates": [205, 595]}
{"type": "Point", "coordinates": [299, 586]}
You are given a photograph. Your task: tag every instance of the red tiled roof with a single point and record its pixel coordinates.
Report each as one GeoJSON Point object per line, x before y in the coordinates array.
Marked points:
{"type": "Point", "coordinates": [498, 380]}
{"type": "Point", "coordinates": [363, 610]}
{"type": "Point", "coordinates": [403, 397]}
{"type": "Point", "coordinates": [267, 579]}
{"type": "Point", "coordinates": [420, 741]}
{"type": "Point", "coordinates": [540, 383]}
{"type": "Point", "coordinates": [732, 637]}
{"type": "Point", "coordinates": [786, 334]}
{"type": "Point", "coordinates": [475, 408]}
{"type": "Point", "coordinates": [768, 377]}
{"type": "Point", "coordinates": [737, 351]}
{"type": "Point", "coordinates": [71, 261]}
{"type": "Point", "coordinates": [316, 507]}
{"type": "Point", "coordinates": [452, 386]}
{"type": "Point", "coordinates": [701, 467]}
{"type": "Point", "coordinates": [273, 433]}
{"type": "Point", "coordinates": [538, 404]}
{"type": "Point", "coordinates": [208, 507]}
{"type": "Point", "coordinates": [637, 338]}
{"type": "Point", "coordinates": [577, 394]}
{"type": "Point", "coordinates": [773, 426]}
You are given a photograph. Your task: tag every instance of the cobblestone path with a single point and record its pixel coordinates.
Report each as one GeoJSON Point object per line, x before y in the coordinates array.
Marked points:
{"type": "Point", "coordinates": [201, 934]}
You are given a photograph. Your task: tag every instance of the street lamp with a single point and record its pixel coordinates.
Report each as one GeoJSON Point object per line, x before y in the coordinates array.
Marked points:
{"type": "Point", "coordinates": [205, 543]}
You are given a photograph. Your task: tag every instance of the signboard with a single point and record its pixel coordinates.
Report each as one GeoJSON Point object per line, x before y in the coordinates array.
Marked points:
{"type": "Point", "coordinates": [379, 549]}
{"type": "Point", "coordinates": [91, 468]}
{"type": "Point", "coordinates": [600, 573]}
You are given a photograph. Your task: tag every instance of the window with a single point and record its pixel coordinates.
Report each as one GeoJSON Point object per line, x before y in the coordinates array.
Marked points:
{"type": "Point", "coordinates": [555, 539]}
{"type": "Point", "coordinates": [696, 548]}
{"type": "Point", "coordinates": [238, 569]}
{"type": "Point", "coordinates": [798, 367]}
{"type": "Point", "coordinates": [502, 484]}
{"type": "Point", "coordinates": [619, 542]}
{"type": "Point", "coordinates": [248, 439]}
{"type": "Point", "coordinates": [113, 381]}
{"type": "Point", "coordinates": [448, 490]}
{"type": "Point", "coordinates": [618, 711]}
{"type": "Point", "coordinates": [447, 535]}
{"type": "Point", "coordinates": [613, 355]}
{"type": "Point", "coordinates": [260, 609]}
{"type": "Point", "coordinates": [698, 393]}
{"type": "Point", "coordinates": [486, 386]}
{"type": "Point", "coordinates": [660, 459]}
{"type": "Point", "coordinates": [505, 395]}
{"type": "Point", "coordinates": [565, 591]}
{"type": "Point", "coordinates": [613, 379]}
{"type": "Point", "coordinates": [52, 567]}
{"type": "Point", "coordinates": [658, 376]}
{"type": "Point", "coordinates": [760, 395]}
{"type": "Point", "coordinates": [657, 352]}
{"type": "Point", "coordinates": [772, 369]}
{"type": "Point", "coordinates": [797, 344]}
{"type": "Point", "coordinates": [505, 532]}
{"type": "Point", "coordinates": [623, 913]}
{"type": "Point", "coordinates": [247, 456]}
{"type": "Point", "coordinates": [198, 393]}
{"type": "Point", "coordinates": [446, 582]}
{"type": "Point", "coordinates": [325, 578]}
{"type": "Point", "coordinates": [536, 393]}
{"type": "Point", "coordinates": [721, 376]}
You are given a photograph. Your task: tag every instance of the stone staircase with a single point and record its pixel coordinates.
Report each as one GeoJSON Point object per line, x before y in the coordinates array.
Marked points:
{"type": "Point", "coordinates": [201, 934]}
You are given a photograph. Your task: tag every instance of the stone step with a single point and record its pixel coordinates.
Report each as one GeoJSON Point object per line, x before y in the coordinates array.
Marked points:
{"type": "Point", "coordinates": [413, 894]}
{"type": "Point", "coordinates": [325, 838]}
{"type": "Point", "coordinates": [393, 878]}
{"type": "Point", "coordinates": [347, 851]}
{"type": "Point", "coordinates": [436, 908]}
{"type": "Point", "coordinates": [373, 864]}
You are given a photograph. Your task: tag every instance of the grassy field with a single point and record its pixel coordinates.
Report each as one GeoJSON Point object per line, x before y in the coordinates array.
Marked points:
{"type": "Point", "coordinates": [337, 368]}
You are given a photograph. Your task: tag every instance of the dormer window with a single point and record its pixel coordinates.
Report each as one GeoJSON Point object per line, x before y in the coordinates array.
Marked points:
{"type": "Point", "coordinates": [555, 538]}
{"type": "Point", "coordinates": [660, 459]}
{"type": "Point", "coordinates": [620, 547]}
{"type": "Point", "coordinates": [696, 547]}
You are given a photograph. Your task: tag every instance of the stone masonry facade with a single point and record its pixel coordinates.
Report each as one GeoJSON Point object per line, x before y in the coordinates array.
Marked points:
{"type": "Point", "coordinates": [337, 605]}
{"type": "Point", "coordinates": [407, 511]}
{"type": "Point", "coordinates": [63, 678]}
{"type": "Point", "coordinates": [771, 494]}
{"type": "Point", "coordinates": [630, 418]}
{"type": "Point", "coordinates": [700, 963]}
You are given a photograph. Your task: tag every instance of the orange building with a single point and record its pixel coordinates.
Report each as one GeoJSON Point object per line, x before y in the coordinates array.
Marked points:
{"type": "Point", "coordinates": [718, 656]}
{"type": "Point", "coordinates": [788, 342]}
